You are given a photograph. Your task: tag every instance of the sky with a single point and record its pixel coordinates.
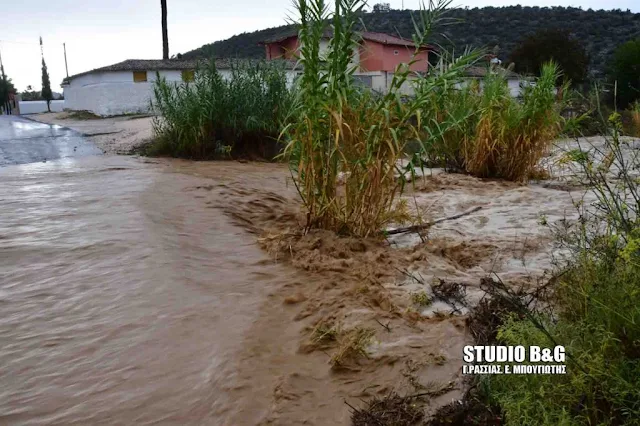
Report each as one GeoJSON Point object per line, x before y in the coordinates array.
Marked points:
{"type": "Point", "coordinates": [99, 33]}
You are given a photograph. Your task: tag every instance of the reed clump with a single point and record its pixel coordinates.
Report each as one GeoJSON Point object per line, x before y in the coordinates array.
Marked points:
{"type": "Point", "coordinates": [489, 133]}
{"type": "Point", "coordinates": [217, 117]}
{"type": "Point", "coordinates": [344, 142]}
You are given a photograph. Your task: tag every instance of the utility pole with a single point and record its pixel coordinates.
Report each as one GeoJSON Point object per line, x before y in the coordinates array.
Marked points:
{"type": "Point", "coordinates": [64, 46]}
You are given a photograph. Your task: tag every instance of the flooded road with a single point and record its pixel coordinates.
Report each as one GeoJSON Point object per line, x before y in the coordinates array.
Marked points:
{"type": "Point", "coordinates": [24, 141]}
{"type": "Point", "coordinates": [123, 298]}
{"type": "Point", "coordinates": [139, 291]}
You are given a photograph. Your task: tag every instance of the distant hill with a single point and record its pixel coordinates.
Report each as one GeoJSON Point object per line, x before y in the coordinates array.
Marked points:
{"type": "Point", "coordinates": [600, 31]}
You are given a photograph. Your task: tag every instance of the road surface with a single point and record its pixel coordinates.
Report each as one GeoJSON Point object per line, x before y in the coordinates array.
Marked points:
{"type": "Point", "coordinates": [24, 141]}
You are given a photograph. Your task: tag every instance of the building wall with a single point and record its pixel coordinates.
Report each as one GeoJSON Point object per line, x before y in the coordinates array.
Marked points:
{"type": "Point", "coordinates": [290, 49]}
{"type": "Point", "coordinates": [514, 84]}
{"type": "Point", "coordinates": [287, 49]}
{"type": "Point", "coordinates": [383, 57]}
{"type": "Point", "coordinates": [115, 93]}
{"type": "Point", "coordinates": [371, 56]}
{"type": "Point", "coordinates": [36, 107]}
{"type": "Point", "coordinates": [514, 87]}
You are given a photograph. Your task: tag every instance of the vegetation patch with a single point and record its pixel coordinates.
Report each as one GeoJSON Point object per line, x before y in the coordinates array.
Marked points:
{"type": "Point", "coordinates": [215, 117]}
{"type": "Point", "coordinates": [352, 346]}
{"type": "Point", "coordinates": [421, 299]}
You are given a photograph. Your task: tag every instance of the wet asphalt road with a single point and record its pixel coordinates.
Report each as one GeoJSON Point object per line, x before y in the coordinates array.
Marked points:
{"type": "Point", "coordinates": [24, 141]}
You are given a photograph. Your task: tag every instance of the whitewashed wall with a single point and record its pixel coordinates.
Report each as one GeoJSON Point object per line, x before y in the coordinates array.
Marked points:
{"type": "Point", "coordinates": [36, 107]}
{"type": "Point", "coordinates": [115, 93]}
{"type": "Point", "coordinates": [514, 88]}
{"type": "Point", "coordinates": [381, 81]}
{"type": "Point", "coordinates": [112, 93]}
{"type": "Point", "coordinates": [515, 85]}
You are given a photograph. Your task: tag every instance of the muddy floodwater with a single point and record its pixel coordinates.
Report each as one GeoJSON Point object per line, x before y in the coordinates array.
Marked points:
{"type": "Point", "coordinates": [138, 291]}
{"type": "Point", "coordinates": [124, 298]}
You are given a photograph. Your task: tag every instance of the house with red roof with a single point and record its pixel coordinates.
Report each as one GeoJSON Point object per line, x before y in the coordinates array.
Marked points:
{"type": "Point", "coordinates": [376, 57]}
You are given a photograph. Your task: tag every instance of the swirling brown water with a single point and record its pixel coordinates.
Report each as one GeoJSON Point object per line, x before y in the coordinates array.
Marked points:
{"type": "Point", "coordinates": [123, 300]}
{"type": "Point", "coordinates": [132, 293]}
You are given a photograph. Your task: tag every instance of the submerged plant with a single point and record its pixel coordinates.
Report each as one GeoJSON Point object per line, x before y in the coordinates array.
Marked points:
{"type": "Point", "coordinates": [352, 345]}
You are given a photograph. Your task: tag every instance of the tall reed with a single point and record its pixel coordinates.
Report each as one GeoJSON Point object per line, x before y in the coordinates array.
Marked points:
{"type": "Point", "coordinates": [343, 130]}
{"type": "Point", "coordinates": [215, 116]}
{"type": "Point", "coordinates": [480, 128]}
{"type": "Point", "coordinates": [511, 135]}
{"type": "Point", "coordinates": [635, 117]}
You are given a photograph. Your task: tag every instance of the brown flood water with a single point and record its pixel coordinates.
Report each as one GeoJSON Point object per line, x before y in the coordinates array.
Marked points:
{"type": "Point", "coordinates": [127, 296]}
{"type": "Point", "coordinates": [122, 299]}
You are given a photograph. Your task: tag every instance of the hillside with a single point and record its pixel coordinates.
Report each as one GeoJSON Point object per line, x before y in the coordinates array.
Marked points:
{"type": "Point", "coordinates": [600, 31]}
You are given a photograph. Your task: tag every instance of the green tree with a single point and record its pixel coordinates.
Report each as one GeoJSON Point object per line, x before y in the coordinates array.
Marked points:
{"type": "Point", "coordinates": [551, 45]}
{"type": "Point", "coordinates": [46, 93]}
{"type": "Point", "coordinates": [6, 88]}
{"type": "Point", "coordinates": [625, 70]}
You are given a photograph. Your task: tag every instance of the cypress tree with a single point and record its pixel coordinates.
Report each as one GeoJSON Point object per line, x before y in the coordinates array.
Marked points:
{"type": "Point", "coordinates": [46, 83]}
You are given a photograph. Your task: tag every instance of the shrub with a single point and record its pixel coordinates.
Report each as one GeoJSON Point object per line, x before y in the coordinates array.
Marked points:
{"type": "Point", "coordinates": [634, 111]}
{"type": "Point", "coordinates": [213, 116]}
{"type": "Point", "coordinates": [342, 129]}
{"type": "Point", "coordinates": [583, 113]}
{"type": "Point", "coordinates": [487, 132]}
{"type": "Point", "coordinates": [596, 312]}
{"type": "Point", "coordinates": [555, 45]}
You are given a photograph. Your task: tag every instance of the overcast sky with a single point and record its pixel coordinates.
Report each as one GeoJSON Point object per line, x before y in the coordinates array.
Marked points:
{"type": "Point", "coordinates": [99, 32]}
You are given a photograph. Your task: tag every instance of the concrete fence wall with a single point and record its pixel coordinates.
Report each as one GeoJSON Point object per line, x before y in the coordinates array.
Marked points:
{"type": "Point", "coordinates": [115, 92]}
{"type": "Point", "coordinates": [36, 107]}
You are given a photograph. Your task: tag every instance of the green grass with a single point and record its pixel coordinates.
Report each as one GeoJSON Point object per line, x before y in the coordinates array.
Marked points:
{"type": "Point", "coordinates": [214, 117]}
{"type": "Point", "coordinates": [481, 129]}
{"type": "Point", "coordinates": [596, 314]}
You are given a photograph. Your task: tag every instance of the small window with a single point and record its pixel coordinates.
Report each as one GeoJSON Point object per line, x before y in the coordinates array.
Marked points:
{"type": "Point", "coordinates": [188, 76]}
{"type": "Point", "coordinates": [395, 52]}
{"type": "Point", "coordinates": [139, 76]}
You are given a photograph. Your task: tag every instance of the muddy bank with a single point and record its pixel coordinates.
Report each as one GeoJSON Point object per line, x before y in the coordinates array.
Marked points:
{"type": "Point", "coordinates": [113, 135]}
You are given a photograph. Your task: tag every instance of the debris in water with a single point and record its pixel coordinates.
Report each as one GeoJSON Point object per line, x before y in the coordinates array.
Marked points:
{"type": "Point", "coordinates": [392, 410]}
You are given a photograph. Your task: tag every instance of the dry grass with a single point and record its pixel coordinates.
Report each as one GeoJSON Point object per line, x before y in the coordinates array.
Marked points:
{"type": "Point", "coordinates": [352, 346]}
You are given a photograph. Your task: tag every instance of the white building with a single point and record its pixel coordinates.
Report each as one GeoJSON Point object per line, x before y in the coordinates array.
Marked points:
{"type": "Point", "coordinates": [127, 87]}
{"type": "Point", "coordinates": [514, 81]}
